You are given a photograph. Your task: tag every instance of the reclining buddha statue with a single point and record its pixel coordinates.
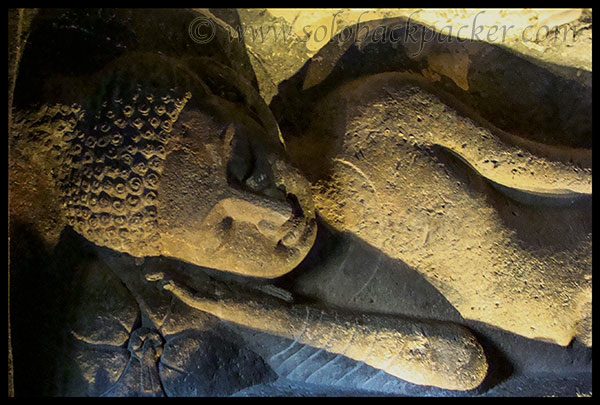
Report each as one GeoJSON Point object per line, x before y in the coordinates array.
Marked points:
{"type": "Point", "coordinates": [150, 145]}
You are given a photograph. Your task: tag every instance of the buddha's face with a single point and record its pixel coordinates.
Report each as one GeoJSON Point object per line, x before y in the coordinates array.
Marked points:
{"type": "Point", "coordinates": [230, 201]}
{"type": "Point", "coordinates": [168, 165]}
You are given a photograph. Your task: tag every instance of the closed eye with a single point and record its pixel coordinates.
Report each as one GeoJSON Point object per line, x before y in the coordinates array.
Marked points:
{"type": "Point", "coordinates": [248, 168]}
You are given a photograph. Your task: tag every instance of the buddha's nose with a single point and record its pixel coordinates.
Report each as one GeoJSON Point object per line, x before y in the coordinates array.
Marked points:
{"type": "Point", "coordinates": [265, 213]}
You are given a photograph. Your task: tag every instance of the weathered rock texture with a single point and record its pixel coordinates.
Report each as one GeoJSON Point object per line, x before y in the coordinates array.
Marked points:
{"type": "Point", "coordinates": [383, 161]}
{"type": "Point", "coordinates": [454, 178]}
{"type": "Point", "coordinates": [109, 165]}
{"type": "Point", "coordinates": [213, 188]}
{"type": "Point", "coordinates": [120, 340]}
{"type": "Point", "coordinates": [428, 353]}
{"type": "Point", "coordinates": [281, 41]}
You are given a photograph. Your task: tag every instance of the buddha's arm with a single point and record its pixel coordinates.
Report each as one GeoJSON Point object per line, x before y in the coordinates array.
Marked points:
{"type": "Point", "coordinates": [501, 157]}
{"type": "Point", "coordinates": [514, 167]}
{"type": "Point", "coordinates": [440, 354]}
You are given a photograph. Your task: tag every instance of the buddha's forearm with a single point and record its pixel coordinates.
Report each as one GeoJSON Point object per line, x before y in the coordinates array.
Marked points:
{"type": "Point", "coordinates": [429, 353]}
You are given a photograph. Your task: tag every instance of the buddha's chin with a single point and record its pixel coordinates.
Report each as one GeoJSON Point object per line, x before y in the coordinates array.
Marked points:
{"type": "Point", "coordinates": [248, 253]}
{"type": "Point", "coordinates": [278, 260]}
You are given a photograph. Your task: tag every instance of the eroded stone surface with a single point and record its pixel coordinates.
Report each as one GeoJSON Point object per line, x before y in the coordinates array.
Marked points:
{"type": "Point", "coordinates": [281, 41]}
{"type": "Point", "coordinates": [189, 166]}
{"type": "Point", "coordinates": [95, 370]}
{"type": "Point", "coordinates": [427, 353]}
{"type": "Point", "coordinates": [203, 364]}
{"type": "Point", "coordinates": [392, 183]}
{"type": "Point", "coordinates": [209, 185]}
{"type": "Point", "coordinates": [107, 312]}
